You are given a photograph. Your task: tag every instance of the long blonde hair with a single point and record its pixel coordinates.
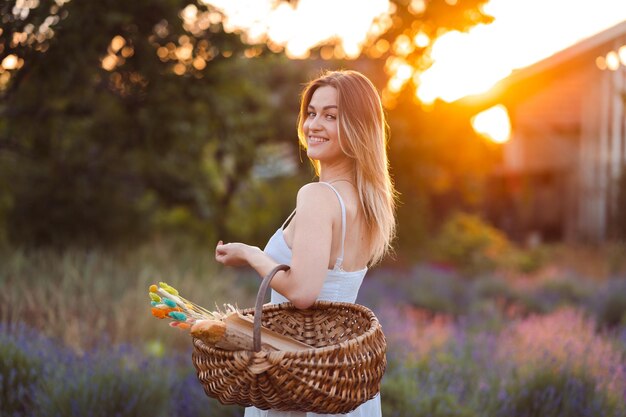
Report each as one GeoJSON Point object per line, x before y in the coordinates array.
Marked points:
{"type": "Point", "coordinates": [363, 138]}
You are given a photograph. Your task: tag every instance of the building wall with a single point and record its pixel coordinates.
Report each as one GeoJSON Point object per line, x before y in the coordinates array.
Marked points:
{"type": "Point", "coordinates": [566, 159]}
{"type": "Point", "coordinates": [602, 156]}
{"type": "Point", "coordinates": [573, 132]}
{"type": "Point", "coordinates": [544, 151]}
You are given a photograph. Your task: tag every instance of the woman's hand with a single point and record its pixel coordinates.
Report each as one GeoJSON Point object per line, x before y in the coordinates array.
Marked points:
{"type": "Point", "coordinates": [234, 254]}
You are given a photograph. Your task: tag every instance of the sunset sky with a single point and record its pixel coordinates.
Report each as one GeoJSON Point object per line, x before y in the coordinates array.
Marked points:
{"type": "Point", "coordinates": [523, 32]}
{"type": "Point", "coordinates": [465, 63]}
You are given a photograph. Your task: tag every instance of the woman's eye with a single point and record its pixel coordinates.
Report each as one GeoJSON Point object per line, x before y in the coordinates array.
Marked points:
{"type": "Point", "coordinates": [311, 114]}
{"type": "Point", "coordinates": [331, 117]}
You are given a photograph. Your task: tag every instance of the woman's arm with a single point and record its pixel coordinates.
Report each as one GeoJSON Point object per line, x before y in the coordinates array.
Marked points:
{"type": "Point", "coordinates": [315, 209]}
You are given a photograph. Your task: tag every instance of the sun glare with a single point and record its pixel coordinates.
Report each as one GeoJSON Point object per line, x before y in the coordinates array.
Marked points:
{"type": "Point", "coordinates": [522, 33]}
{"type": "Point", "coordinates": [463, 63]}
{"type": "Point", "coordinates": [306, 24]}
{"type": "Point", "coordinates": [493, 123]}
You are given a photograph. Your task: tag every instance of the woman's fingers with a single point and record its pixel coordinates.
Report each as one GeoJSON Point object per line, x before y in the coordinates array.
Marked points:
{"type": "Point", "coordinates": [225, 254]}
{"type": "Point", "coordinates": [231, 254]}
{"type": "Point", "coordinates": [219, 252]}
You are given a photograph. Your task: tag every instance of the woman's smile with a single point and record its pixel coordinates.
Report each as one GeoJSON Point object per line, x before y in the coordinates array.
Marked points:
{"type": "Point", "coordinates": [317, 139]}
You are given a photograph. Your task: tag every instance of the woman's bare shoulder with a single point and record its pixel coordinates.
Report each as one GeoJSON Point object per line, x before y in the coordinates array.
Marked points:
{"type": "Point", "coordinates": [315, 195]}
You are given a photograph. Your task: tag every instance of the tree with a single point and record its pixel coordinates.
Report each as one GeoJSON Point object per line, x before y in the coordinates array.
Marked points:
{"type": "Point", "coordinates": [118, 117]}
{"type": "Point", "coordinates": [101, 131]}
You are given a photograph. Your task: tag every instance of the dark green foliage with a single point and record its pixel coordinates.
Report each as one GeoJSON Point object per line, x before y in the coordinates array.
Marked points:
{"type": "Point", "coordinates": [97, 157]}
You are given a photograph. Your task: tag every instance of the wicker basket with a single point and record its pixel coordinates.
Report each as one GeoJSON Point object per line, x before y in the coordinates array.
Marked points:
{"type": "Point", "coordinates": [342, 371]}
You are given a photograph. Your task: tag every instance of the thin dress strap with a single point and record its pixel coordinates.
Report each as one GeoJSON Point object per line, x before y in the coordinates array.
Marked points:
{"type": "Point", "coordinates": [288, 219]}
{"type": "Point", "coordinates": [339, 260]}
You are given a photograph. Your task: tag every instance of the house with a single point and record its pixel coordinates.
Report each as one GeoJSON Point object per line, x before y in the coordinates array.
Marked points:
{"type": "Point", "coordinates": [563, 173]}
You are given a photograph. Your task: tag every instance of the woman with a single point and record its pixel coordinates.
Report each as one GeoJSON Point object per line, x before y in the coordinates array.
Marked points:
{"type": "Point", "coordinates": [343, 223]}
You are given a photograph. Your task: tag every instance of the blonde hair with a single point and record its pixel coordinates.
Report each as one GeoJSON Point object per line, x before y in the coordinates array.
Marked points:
{"type": "Point", "coordinates": [363, 138]}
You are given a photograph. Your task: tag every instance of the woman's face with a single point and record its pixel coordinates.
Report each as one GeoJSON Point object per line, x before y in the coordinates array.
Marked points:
{"type": "Point", "coordinates": [320, 126]}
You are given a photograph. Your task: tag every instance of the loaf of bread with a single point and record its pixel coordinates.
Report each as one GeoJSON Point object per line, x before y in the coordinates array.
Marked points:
{"type": "Point", "coordinates": [213, 333]}
{"type": "Point", "coordinates": [235, 332]}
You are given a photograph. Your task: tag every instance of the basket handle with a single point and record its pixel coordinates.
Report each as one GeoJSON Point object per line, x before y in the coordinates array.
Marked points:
{"type": "Point", "coordinates": [258, 308]}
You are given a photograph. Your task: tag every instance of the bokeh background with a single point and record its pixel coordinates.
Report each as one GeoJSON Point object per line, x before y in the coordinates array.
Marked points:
{"type": "Point", "coordinates": [134, 135]}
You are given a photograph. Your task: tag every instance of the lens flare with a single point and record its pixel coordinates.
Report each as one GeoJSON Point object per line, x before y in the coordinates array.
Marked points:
{"type": "Point", "coordinates": [493, 123]}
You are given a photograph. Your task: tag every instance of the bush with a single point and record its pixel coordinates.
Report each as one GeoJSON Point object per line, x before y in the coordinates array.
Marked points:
{"type": "Point", "coordinates": [530, 260]}
{"type": "Point", "coordinates": [436, 291]}
{"type": "Point", "coordinates": [455, 380]}
{"type": "Point", "coordinates": [470, 244]}
{"type": "Point", "coordinates": [419, 391]}
{"type": "Point", "coordinates": [107, 384]}
{"type": "Point", "coordinates": [609, 304]}
{"type": "Point", "coordinates": [492, 287]}
{"type": "Point", "coordinates": [616, 255]}
{"type": "Point", "coordinates": [39, 378]}
{"type": "Point", "coordinates": [24, 357]}
{"type": "Point", "coordinates": [560, 292]}
{"type": "Point", "coordinates": [556, 394]}
{"type": "Point", "coordinates": [398, 394]}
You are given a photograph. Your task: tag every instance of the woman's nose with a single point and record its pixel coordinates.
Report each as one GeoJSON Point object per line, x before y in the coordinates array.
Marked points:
{"type": "Point", "coordinates": [315, 123]}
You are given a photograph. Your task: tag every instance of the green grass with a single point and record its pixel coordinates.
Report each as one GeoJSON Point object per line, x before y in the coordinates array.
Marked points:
{"type": "Point", "coordinates": [81, 297]}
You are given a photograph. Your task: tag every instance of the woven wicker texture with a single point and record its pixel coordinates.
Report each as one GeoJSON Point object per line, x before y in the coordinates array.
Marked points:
{"type": "Point", "coordinates": [343, 370]}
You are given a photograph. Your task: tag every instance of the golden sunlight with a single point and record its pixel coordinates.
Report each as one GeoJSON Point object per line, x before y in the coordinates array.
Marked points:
{"type": "Point", "coordinates": [493, 123]}
{"type": "Point", "coordinates": [521, 34]}
{"type": "Point", "coordinates": [298, 27]}
{"type": "Point", "coordinates": [463, 63]}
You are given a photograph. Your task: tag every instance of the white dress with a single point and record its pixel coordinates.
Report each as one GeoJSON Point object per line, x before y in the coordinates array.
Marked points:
{"type": "Point", "coordinates": [339, 286]}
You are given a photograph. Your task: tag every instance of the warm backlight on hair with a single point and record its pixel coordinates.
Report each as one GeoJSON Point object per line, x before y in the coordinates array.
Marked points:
{"type": "Point", "coordinates": [493, 123]}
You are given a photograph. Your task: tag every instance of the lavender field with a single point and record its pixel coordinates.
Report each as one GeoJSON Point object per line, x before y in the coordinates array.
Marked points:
{"type": "Point", "coordinates": [488, 349]}
{"type": "Point", "coordinates": [77, 337]}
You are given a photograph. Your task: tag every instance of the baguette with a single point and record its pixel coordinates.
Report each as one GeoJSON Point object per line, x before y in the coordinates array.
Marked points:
{"type": "Point", "coordinates": [209, 331]}
{"type": "Point", "coordinates": [219, 334]}
{"type": "Point", "coordinates": [235, 332]}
